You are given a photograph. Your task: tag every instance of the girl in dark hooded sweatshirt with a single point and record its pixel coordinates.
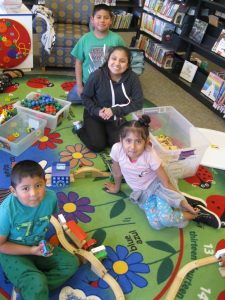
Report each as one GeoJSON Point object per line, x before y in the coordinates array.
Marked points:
{"type": "Point", "coordinates": [111, 92]}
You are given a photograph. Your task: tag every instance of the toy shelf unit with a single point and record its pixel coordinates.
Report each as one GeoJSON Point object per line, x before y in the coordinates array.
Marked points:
{"type": "Point", "coordinates": [52, 120]}
{"type": "Point", "coordinates": [16, 45]}
{"type": "Point", "coordinates": [195, 34]}
{"type": "Point", "coordinates": [178, 143]}
{"type": "Point", "coordinates": [20, 132]}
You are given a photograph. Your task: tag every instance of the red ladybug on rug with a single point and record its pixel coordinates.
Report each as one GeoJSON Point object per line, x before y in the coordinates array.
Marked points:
{"type": "Point", "coordinates": [39, 83]}
{"type": "Point", "coordinates": [216, 203]}
{"type": "Point", "coordinates": [203, 178]}
{"type": "Point", "coordinates": [67, 86]}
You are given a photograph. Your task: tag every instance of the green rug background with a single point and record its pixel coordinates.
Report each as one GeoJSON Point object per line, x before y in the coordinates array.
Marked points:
{"type": "Point", "coordinates": [116, 221]}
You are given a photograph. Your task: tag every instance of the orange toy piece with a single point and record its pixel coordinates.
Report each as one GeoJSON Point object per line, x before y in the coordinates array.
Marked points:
{"type": "Point", "coordinates": [79, 236]}
{"type": "Point", "coordinates": [11, 138]}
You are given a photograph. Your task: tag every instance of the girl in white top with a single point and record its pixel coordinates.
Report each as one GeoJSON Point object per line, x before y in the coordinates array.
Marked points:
{"type": "Point", "coordinates": [135, 160]}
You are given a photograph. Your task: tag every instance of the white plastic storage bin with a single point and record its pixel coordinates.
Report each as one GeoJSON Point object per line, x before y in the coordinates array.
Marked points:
{"type": "Point", "coordinates": [52, 120]}
{"type": "Point", "coordinates": [192, 144]}
{"type": "Point", "coordinates": [26, 127]}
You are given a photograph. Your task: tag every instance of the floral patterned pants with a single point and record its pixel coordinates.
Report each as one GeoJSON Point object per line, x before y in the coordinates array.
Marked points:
{"type": "Point", "coordinates": [160, 214]}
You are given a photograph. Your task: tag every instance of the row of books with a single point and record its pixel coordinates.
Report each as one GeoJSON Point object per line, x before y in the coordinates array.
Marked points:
{"type": "Point", "coordinates": [156, 27]}
{"type": "Point", "coordinates": [213, 88]}
{"type": "Point", "coordinates": [165, 9]}
{"type": "Point", "coordinates": [158, 53]}
{"type": "Point", "coordinates": [107, 2]}
{"type": "Point", "coordinates": [121, 20]}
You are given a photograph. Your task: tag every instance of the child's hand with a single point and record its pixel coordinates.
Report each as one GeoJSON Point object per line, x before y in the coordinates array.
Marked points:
{"type": "Point", "coordinates": [108, 113]}
{"type": "Point", "coordinates": [79, 90]}
{"type": "Point", "coordinates": [37, 250]}
{"type": "Point", "coordinates": [184, 204]}
{"type": "Point", "coordinates": [111, 188]}
{"type": "Point", "coordinates": [105, 113]}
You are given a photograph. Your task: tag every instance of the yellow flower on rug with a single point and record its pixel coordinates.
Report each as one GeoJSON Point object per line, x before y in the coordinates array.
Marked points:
{"type": "Point", "coordinates": [76, 155]}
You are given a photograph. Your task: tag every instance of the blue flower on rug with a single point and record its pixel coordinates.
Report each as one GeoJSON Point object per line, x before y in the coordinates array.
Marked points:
{"type": "Point", "coordinates": [74, 208]}
{"type": "Point", "coordinates": [124, 268]}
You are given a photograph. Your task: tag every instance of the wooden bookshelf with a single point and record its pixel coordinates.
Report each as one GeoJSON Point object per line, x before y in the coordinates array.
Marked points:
{"type": "Point", "coordinates": [191, 48]}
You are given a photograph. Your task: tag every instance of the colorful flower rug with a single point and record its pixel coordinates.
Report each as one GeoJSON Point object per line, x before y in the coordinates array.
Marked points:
{"type": "Point", "coordinates": [142, 260]}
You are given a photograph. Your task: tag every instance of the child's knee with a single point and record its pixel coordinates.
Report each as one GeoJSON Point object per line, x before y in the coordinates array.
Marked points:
{"type": "Point", "coordinates": [70, 264]}
{"type": "Point", "coordinates": [36, 286]}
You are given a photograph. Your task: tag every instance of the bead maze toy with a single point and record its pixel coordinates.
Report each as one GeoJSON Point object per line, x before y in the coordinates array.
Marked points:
{"type": "Point", "coordinates": [78, 237]}
{"type": "Point", "coordinates": [218, 257]}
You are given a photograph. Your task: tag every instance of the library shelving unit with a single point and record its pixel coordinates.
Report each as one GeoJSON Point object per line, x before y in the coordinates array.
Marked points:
{"type": "Point", "coordinates": [186, 48]}
{"type": "Point", "coordinates": [129, 21]}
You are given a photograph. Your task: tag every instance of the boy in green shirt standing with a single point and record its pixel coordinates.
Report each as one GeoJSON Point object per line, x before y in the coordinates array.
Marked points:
{"type": "Point", "coordinates": [91, 49]}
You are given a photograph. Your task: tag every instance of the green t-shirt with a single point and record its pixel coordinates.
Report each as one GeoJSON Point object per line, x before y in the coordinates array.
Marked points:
{"type": "Point", "coordinates": [23, 224]}
{"type": "Point", "coordinates": [91, 51]}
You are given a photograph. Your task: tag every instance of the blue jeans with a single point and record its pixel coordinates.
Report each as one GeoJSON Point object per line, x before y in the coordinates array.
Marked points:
{"type": "Point", "coordinates": [73, 96]}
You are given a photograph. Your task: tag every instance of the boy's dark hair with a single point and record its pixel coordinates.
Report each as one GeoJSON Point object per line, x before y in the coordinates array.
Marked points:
{"type": "Point", "coordinates": [26, 168]}
{"type": "Point", "coordinates": [140, 126]}
{"type": "Point", "coordinates": [102, 7]}
{"type": "Point", "coordinates": [124, 48]}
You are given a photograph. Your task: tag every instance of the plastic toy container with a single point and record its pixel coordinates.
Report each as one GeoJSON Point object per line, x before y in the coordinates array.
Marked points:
{"type": "Point", "coordinates": [190, 143]}
{"type": "Point", "coordinates": [20, 132]}
{"type": "Point", "coordinates": [52, 120]}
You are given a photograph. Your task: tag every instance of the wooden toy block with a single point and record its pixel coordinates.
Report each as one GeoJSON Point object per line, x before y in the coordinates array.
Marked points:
{"type": "Point", "coordinates": [90, 172]}
{"type": "Point", "coordinates": [80, 234]}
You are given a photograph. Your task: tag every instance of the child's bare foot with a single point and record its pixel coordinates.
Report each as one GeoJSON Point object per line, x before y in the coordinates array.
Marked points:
{"type": "Point", "coordinates": [189, 216]}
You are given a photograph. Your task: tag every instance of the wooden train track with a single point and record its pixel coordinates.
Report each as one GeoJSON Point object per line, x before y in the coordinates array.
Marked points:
{"type": "Point", "coordinates": [96, 266]}
{"type": "Point", "coordinates": [189, 267]}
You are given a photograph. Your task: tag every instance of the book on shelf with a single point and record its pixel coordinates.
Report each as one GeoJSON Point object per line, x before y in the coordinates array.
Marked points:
{"type": "Point", "coordinates": [219, 45]}
{"type": "Point", "coordinates": [160, 29]}
{"type": "Point", "coordinates": [198, 30]}
{"type": "Point", "coordinates": [212, 86]}
{"type": "Point", "coordinates": [180, 14]}
{"type": "Point", "coordinates": [188, 71]}
{"type": "Point", "coordinates": [219, 104]}
{"type": "Point", "coordinates": [107, 2]}
{"type": "Point", "coordinates": [168, 9]}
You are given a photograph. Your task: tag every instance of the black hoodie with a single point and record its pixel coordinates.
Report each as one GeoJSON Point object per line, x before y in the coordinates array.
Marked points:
{"type": "Point", "coordinates": [123, 97]}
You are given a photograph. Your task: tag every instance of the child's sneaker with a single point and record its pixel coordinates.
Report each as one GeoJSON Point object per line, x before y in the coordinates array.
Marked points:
{"type": "Point", "coordinates": [207, 217]}
{"type": "Point", "coordinates": [194, 201]}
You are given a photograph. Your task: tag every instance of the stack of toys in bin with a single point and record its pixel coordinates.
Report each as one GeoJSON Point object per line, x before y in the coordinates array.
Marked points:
{"type": "Point", "coordinates": [7, 112]}
{"type": "Point", "coordinates": [43, 103]}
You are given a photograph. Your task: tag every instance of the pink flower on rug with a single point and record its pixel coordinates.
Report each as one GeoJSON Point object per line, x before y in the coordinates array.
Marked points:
{"type": "Point", "coordinates": [77, 154]}
{"type": "Point", "coordinates": [48, 140]}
